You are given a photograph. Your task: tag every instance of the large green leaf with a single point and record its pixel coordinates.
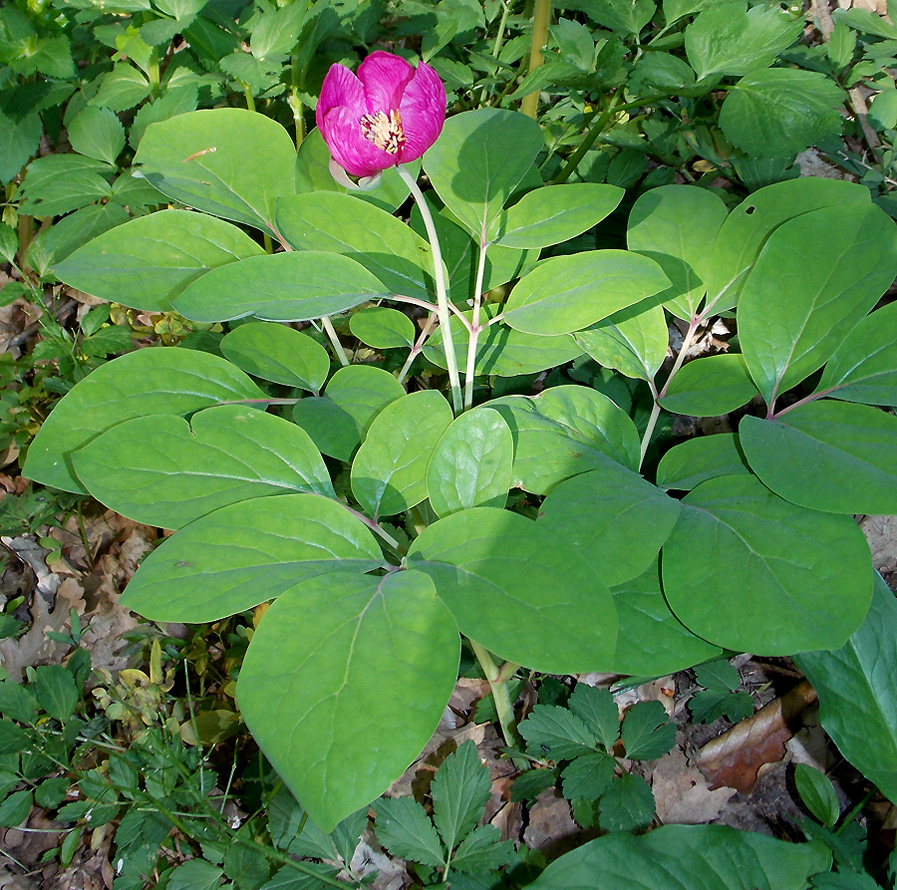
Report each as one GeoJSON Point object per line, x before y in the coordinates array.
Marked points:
{"type": "Point", "coordinates": [616, 519]}
{"type": "Point", "coordinates": [833, 456]}
{"type": "Point", "coordinates": [146, 382]}
{"type": "Point", "coordinates": [748, 226]}
{"type": "Point", "coordinates": [520, 591]}
{"type": "Point", "coordinates": [634, 341]}
{"type": "Point", "coordinates": [693, 461]}
{"type": "Point", "coordinates": [389, 473]}
{"type": "Point", "coordinates": [227, 161]}
{"type": "Point", "coordinates": [557, 213]}
{"type": "Point", "coordinates": [147, 262]}
{"type": "Point", "coordinates": [246, 553]}
{"type": "Point", "coordinates": [686, 857]}
{"type": "Point", "coordinates": [864, 366]}
{"type": "Point", "coordinates": [478, 161]}
{"type": "Point", "coordinates": [727, 39]}
{"type": "Point", "coordinates": [337, 666]}
{"type": "Point", "coordinates": [163, 471]}
{"type": "Point", "coordinates": [502, 351]}
{"type": "Point", "coordinates": [805, 293]}
{"type": "Point", "coordinates": [19, 140]}
{"type": "Point", "coordinates": [780, 111]}
{"type": "Point", "coordinates": [384, 245]}
{"type": "Point", "coordinates": [651, 640]}
{"type": "Point", "coordinates": [709, 386]}
{"type": "Point", "coordinates": [770, 577]}
{"type": "Point", "coordinates": [291, 286]}
{"type": "Point", "coordinates": [857, 696]}
{"type": "Point", "coordinates": [471, 464]}
{"type": "Point", "coordinates": [676, 226]}
{"type": "Point", "coordinates": [278, 353]}
{"type": "Point", "coordinates": [568, 293]}
{"type": "Point", "coordinates": [338, 421]}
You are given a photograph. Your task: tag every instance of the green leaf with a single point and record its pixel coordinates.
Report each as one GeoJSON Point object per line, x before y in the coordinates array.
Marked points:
{"type": "Point", "coordinates": [718, 674]}
{"type": "Point", "coordinates": [278, 353]}
{"type": "Point", "coordinates": [648, 733]}
{"type": "Point", "coordinates": [335, 666]}
{"type": "Point", "coordinates": [502, 351]}
{"type": "Point", "coordinates": [404, 828]}
{"type": "Point", "coordinates": [817, 793]}
{"type": "Point", "coordinates": [246, 866]}
{"type": "Point", "coordinates": [471, 465]}
{"type": "Point", "coordinates": [147, 262]}
{"type": "Point", "coordinates": [627, 18]}
{"type": "Point", "coordinates": [589, 776]}
{"type": "Point", "coordinates": [565, 431]}
{"type": "Point", "coordinates": [143, 383]}
{"type": "Point", "coordinates": [17, 702]}
{"type": "Point", "coordinates": [56, 691]}
{"type": "Point", "coordinates": [241, 555]}
{"type": "Point", "coordinates": [651, 640]}
{"type": "Point", "coordinates": [628, 804]}
{"type": "Point", "coordinates": [197, 874]}
{"type": "Point", "coordinates": [68, 234]}
{"type": "Point", "coordinates": [557, 213]}
{"type": "Point", "coordinates": [15, 809]}
{"type": "Point", "coordinates": [726, 39]}
{"type": "Point", "coordinates": [291, 286]}
{"type": "Point", "coordinates": [831, 456]}
{"type": "Point", "coordinates": [339, 420]}
{"type": "Point", "coordinates": [883, 110]}
{"type": "Point", "coordinates": [478, 162]}
{"type": "Point", "coordinates": [633, 341]}
{"type": "Point", "coordinates": [382, 328]}
{"type": "Point", "coordinates": [518, 590]}
{"type": "Point", "coordinates": [676, 225]}
{"type": "Point", "coordinates": [227, 161]}
{"type": "Point", "coordinates": [616, 519]}
{"type": "Point", "coordinates": [864, 366]}
{"type": "Point", "coordinates": [598, 710]}
{"type": "Point", "coordinates": [389, 472]}
{"type": "Point", "coordinates": [803, 294]}
{"type": "Point", "coordinates": [695, 460]}
{"type": "Point", "coordinates": [568, 293]}
{"type": "Point", "coordinates": [60, 183]}
{"type": "Point", "coordinates": [710, 386]}
{"type": "Point", "coordinates": [122, 88]}
{"type": "Point", "coordinates": [857, 701]}
{"type": "Point", "coordinates": [165, 472]}
{"type": "Point", "coordinates": [341, 224]}
{"type": "Point", "coordinates": [803, 578]}
{"type": "Point", "coordinates": [461, 789]}
{"type": "Point", "coordinates": [529, 785]}
{"type": "Point", "coordinates": [781, 111]}
{"type": "Point", "coordinates": [97, 133]}
{"type": "Point", "coordinates": [9, 243]}
{"type": "Point", "coordinates": [747, 227]}
{"type": "Point", "coordinates": [556, 733]}
{"type": "Point", "coordinates": [482, 850]}
{"type": "Point", "coordinates": [19, 140]}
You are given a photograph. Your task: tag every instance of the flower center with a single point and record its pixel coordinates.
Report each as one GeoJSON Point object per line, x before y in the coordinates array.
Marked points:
{"type": "Point", "coordinates": [385, 132]}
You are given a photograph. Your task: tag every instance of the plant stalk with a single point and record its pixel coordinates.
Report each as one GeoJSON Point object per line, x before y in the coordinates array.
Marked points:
{"type": "Point", "coordinates": [475, 325]}
{"type": "Point", "coordinates": [327, 324]}
{"type": "Point", "coordinates": [541, 16]}
{"type": "Point", "coordinates": [498, 683]}
{"type": "Point", "coordinates": [441, 289]}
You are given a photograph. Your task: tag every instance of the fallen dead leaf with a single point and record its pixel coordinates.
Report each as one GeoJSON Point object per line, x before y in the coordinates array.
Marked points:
{"type": "Point", "coordinates": [551, 827]}
{"type": "Point", "coordinates": [683, 795]}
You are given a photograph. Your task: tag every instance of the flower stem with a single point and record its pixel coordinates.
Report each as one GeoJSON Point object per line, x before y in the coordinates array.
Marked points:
{"type": "Point", "coordinates": [327, 324]}
{"type": "Point", "coordinates": [418, 346]}
{"type": "Point", "coordinates": [475, 325]}
{"type": "Point", "coordinates": [541, 17]}
{"type": "Point", "coordinates": [441, 290]}
{"type": "Point", "coordinates": [498, 683]}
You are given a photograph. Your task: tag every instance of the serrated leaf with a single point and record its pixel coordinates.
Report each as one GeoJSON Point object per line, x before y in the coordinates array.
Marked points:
{"type": "Point", "coordinates": [628, 803]}
{"type": "Point", "coordinates": [56, 691]}
{"type": "Point", "coordinates": [342, 660]}
{"type": "Point", "coordinates": [718, 674]}
{"type": "Point", "coordinates": [529, 785]}
{"type": "Point", "coordinates": [460, 790]}
{"type": "Point", "coordinates": [97, 133]}
{"type": "Point", "coordinates": [556, 733]}
{"type": "Point", "coordinates": [19, 140]}
{"type": "Point", "coordinates": [15, 809]}
{"type": "Point", "coordinates": [405, 830]}
{"type": "Point", "coordinates": [61, 183]}
{"type": "Point", "coordinates": [483, 850]}
{"type": "Point", "coordinates": [589, 776]}
{"type": "Point", "coordinates": [598, 710]}
{"type": "Point", "coordinates": [17, 702]}
{"type": "Point", "coordinates": [648, 732]}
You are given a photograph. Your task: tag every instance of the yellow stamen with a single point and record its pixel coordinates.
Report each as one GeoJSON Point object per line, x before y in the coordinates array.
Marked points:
{"type": "Point", "coordinates": [385, 132]}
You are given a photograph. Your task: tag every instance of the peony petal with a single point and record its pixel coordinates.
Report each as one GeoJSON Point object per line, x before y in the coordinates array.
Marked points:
{"type": "Point", "coordinates": [341, 88]}
{"type": "Point", "coordinates": [385, 77]}
{"type": "Point", "coordinates": [423, 112]}
{"type": "Point", "coordinates": [356, 155]}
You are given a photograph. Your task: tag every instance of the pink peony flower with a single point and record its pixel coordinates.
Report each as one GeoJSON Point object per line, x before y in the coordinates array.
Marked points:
{"type": "Point", "coordinates": [389, 114]}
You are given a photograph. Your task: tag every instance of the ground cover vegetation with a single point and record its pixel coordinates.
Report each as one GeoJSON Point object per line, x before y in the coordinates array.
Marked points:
{"type": "Point", "coordinates": [472, 412]}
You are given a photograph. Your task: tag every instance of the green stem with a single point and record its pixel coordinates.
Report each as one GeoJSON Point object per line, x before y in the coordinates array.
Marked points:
{"type": "Point", "coordinates": [496, 47]}
{"type": "Point", "coordinates": [418, 346]}
{"type": "Point", "coordinates": [327, 324]}
{"type": "Point", "coordinates": [247, 92]}
{"type": "Point", "coordinates": [594, 132]}
{"type": "Point", "coordinates": [475, 325]}
{"type": "Point", "coordinates": [498, 683]}
{"type": "Point", "coordinates": [441, 289]}
{"type": "Point", "coordinates": [541, 17]}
